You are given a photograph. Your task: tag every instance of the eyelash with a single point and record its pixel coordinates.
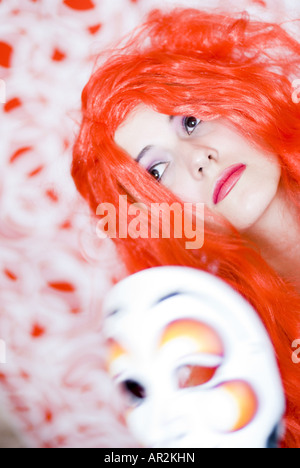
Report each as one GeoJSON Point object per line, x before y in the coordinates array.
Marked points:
{"type": "Point", "coordinates": [152, 168]}
{"type": "Point", "coordinates": [184, 125]}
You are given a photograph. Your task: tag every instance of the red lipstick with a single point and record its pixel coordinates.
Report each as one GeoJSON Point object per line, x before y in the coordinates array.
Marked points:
{"type": "Point", "coordinates": [227, 181]}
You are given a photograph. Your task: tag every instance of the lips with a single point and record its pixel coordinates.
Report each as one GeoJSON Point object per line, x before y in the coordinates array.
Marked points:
{"type": "Point", "coordinates": [227, 181]}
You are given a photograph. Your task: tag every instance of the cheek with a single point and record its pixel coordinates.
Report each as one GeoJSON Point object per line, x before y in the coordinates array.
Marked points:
{"type": "Point", "coordinates": [186, 188]}
{"type": "Point", "coordinates": [252, 195]}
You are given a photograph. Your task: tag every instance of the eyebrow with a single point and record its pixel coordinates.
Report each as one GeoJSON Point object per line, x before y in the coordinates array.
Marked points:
{"type": "Point", "coordinates": [143, 152]}
{"type": "Point", "coordinates": [149, 147]}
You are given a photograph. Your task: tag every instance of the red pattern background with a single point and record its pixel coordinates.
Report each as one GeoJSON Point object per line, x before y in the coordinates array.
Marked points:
{"type": "Point", "coordinates": [54, 272]}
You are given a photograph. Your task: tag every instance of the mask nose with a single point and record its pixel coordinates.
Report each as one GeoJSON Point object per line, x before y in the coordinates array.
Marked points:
{"type": "Point", "coordinates": [163, 423]}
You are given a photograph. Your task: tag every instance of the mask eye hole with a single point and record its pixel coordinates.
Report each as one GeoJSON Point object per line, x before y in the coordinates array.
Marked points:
{"type": "Point", "coordinates": [133, 390]}
{"type": "Point", "coordinates": [192, 375]}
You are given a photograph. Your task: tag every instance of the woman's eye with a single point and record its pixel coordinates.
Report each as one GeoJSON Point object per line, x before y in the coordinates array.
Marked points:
{"type": "Point", "coordinates": [193, 376]}
{"type": "Point", "coordinates": [190, 123]}
{"type": "Point", "coordinates": [158, 170]}
{"type": "Point", "coordinates": [133, 391]}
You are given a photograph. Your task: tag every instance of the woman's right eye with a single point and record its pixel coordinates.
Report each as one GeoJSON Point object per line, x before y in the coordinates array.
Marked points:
{"type": "Point", "coordinates": [157, 171]}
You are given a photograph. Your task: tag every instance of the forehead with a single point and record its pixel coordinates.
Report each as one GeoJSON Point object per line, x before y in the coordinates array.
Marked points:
{"type": "Point", "coordinates": [142, 127]}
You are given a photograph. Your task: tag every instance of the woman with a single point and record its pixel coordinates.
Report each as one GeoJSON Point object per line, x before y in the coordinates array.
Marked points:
{"type": "Point", "coordinates": [198, 107]}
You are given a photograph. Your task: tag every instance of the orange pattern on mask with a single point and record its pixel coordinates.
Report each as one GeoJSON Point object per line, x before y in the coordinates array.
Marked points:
{"type": "Point", "coordinates": [245, 398]}
{"type": "Point", "coordinates": [206, 338]}
{"type": "Point", "coordinates": [115, 351]}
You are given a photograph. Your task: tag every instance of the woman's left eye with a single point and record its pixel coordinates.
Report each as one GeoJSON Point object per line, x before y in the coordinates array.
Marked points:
{"type": "Point", "coordinates": [157, 171]}
{"type": "Point", "coordinates": [190, 123]}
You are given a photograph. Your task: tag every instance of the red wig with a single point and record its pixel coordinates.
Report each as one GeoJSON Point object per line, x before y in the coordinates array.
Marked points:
{"type": "Point", "coordinates": [189, 62]}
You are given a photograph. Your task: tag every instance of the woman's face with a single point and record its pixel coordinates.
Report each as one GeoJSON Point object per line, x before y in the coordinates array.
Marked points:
{"type": "Point", "coordinates": [203, 161]}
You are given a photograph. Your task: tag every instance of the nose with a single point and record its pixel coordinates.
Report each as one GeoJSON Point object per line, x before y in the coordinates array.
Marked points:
{"type": "Point", "coordinates": [164, 424]}
{"type": "Point", "coordinates": [199, 159]}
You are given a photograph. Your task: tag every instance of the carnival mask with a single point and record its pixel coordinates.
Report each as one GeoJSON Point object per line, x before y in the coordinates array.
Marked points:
{"type": "Point", "coordinates": [193, 361]}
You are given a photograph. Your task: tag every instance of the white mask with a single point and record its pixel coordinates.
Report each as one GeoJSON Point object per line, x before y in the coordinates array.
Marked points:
{"type": "Point", "coordinates": [193, 360]}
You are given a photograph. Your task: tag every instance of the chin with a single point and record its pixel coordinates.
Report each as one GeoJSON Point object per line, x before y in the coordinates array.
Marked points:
{"type": "Point", "coordinates": [242, 224]}
{"type": "Point", "coordinates": [246, 216]}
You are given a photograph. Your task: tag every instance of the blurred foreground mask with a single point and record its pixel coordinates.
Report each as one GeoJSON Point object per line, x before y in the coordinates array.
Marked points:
{"type": "Point", "coordinates": [193, 361]}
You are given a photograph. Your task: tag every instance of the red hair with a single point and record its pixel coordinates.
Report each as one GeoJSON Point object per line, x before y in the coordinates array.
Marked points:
{"type": "Point", "coordinates": [188, 62]}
